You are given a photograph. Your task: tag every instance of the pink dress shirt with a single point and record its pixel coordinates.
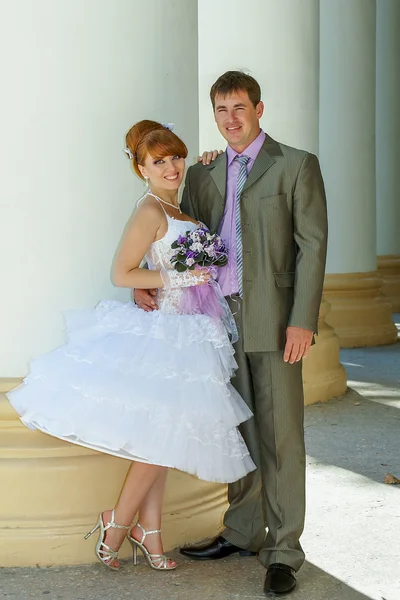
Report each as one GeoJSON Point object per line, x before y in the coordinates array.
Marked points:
{"type": "Point", "coordinates": [227, 276]}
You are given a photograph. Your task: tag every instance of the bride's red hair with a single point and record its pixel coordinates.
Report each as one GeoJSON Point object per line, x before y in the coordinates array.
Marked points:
{"type": "Point", "coordinates": [155, 139]}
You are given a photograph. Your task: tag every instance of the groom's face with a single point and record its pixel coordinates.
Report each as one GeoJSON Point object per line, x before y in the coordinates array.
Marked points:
{"type": "Point", "coordinates": [238, 119]}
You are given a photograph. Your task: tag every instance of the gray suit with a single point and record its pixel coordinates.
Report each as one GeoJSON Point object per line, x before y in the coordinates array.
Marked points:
{"type": "Point", "coordinates": [284, 234]}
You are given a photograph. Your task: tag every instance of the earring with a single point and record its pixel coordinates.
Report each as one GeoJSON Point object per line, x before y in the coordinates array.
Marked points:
{"type": "Point", "coordinates": [146, 181]}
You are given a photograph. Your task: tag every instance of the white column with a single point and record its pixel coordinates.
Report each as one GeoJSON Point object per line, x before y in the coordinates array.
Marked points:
{"type": "Point", "coordinates": [388, 146]}
{"type": "Point", "coordinates": [277, 42]}
{"type": "Point", "coordinates": [347, 131]}
{"type": "Point", "coordinates": [76, 75]}
{"type": "Point", "coordinates": [347, 154]}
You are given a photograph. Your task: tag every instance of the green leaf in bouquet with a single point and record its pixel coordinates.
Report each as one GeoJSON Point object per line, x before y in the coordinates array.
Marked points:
{"type": "Point", "coordinates": [174, 245]}
{"type": "Point", "coordinates": [180, 267]}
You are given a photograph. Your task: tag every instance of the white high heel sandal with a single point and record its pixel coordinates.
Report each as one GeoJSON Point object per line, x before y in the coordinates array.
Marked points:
{"type": "Point", "coordinates": [159, 562]}
{"type": "Point", "coordinates": [106, 556]}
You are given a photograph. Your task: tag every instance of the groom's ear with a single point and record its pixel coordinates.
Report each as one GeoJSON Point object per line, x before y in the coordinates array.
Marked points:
{"type": "Point", "coordinates": [260, 109]}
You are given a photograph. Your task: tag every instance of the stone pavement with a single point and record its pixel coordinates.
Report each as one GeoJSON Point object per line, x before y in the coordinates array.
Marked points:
{"type": "Point", "coordinates": [352, 535]}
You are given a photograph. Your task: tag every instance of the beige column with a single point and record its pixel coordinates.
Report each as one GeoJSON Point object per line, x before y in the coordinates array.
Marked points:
{"type": "Point", "coordinates": [276, 41]}
{"type": "Point", "coordinates": [74, 81]}
{"type": "Point", "coordinates": [360, 314]}
{"type": "Point", "coordinates": [323, 375]}
{"type": "Point", "coordinates": [388, 147]}
{"type": "Point", "coordinates": [52, 492]}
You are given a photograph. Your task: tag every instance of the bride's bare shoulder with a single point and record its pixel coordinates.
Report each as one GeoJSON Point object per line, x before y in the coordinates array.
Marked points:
{"type": "Point", "coordinates": [148, 212]}
{"type": "Point", "coordinates": [149, 206]}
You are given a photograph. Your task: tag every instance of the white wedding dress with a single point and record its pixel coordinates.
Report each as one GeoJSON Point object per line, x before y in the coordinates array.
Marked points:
{"type": "Point", "coordinates": [146, 386]}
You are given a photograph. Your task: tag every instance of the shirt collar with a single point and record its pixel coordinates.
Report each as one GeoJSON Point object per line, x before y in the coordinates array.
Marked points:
{"type": "Point", "coordinates": [251, 151]}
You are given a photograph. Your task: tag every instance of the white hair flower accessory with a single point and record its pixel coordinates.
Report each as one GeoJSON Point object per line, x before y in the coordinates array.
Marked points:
{"type": "Point", "coordinates": [129, 152]}
{"type": "Point", "coordinates": [169, 126]}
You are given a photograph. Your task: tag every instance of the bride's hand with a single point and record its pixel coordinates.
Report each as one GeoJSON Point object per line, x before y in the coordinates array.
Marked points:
{"type": "Point", "coordinates": [188, 278]}
{"type": "Point", "coordinates": [208, 156]}
{"type": "Point", "coordinates": [201, 276]}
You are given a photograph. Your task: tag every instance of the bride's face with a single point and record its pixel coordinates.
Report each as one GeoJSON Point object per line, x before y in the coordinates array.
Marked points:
{"type": "Point", "coordinates": [164, 173]}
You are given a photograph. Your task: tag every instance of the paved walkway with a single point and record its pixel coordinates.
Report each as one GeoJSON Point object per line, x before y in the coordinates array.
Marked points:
{"type": "Point", "coordinates": [352, 536]}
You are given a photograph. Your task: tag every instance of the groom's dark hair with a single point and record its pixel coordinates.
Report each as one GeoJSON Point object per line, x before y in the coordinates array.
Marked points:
{"type": "Point", "coordinates": [236, 81]}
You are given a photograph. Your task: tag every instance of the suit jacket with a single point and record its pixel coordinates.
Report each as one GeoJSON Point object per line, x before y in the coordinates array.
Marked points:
{"type": "Point", "coordinates": [284, 236]}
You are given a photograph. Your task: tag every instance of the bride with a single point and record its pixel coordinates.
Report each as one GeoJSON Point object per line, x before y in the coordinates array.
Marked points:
{"type": "Point", "coordinates": [151, 387]}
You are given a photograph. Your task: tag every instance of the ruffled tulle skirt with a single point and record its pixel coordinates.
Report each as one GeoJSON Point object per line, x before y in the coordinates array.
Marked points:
{"type": "Point", "coordinates": [151, 387]}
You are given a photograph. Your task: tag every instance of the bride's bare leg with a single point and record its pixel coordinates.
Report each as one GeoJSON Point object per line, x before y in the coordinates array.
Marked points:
{"type": "Point", "coordinates": [138, 482]}
{"type": "Point", "coordinates": [150, 511]}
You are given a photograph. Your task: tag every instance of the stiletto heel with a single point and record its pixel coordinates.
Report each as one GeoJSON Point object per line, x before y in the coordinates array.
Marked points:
{"type": "Point", "coordinates": [159, 562]}
{"type": "Point", "coordinates": [106, 556]}
{"type": "Point", "coordinates": [134, 548]}
{"type": "Point", "coordinates": [95, 528]}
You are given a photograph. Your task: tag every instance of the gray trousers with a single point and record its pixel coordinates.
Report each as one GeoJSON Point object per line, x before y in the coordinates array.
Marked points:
{"type": "Point", "coordinates": [273, 496]}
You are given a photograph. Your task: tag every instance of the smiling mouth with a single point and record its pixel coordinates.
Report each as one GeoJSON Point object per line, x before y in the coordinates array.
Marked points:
{"type": "Point", "coordinates": [172, 177]}
{"type": "Point", "coordinates": [234, 128]}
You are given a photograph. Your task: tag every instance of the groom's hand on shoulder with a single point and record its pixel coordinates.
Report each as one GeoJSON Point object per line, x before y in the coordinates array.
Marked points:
{"type": "Point", "coordinates": [298, 343]}
{"type": "Point", "coordinates": [208, 156]}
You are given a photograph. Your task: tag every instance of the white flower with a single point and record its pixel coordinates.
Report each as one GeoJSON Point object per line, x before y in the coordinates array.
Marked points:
{"type": "Point", "coordinates": [196, 247]}
{"type": "Point", "coordinates": [210, 251]}
{"type": "Point", "coordinates": [194, 236]}
{"type": "Point", "coordinates": [190, 262]}
{"type": "Point", "coordinates": [209, 237]}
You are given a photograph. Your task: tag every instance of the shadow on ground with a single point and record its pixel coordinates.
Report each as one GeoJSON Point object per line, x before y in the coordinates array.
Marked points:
{"type": "Point", "coordinates": [228, 579]}
{"type": "Point", "coordinates": [356, 434]}
{"type": "Point", "coordinates": [361, 431]}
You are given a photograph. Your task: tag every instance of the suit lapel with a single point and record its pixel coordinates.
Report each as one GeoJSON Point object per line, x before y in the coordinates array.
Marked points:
{"type": "Point", "coordinates": [265, 159]}
{"type": "Point", "coordinates": [218, 173]}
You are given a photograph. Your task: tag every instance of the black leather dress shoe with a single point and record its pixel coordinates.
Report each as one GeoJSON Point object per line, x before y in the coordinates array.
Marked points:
{"type": "Point", "coordinates": [218, 548]}
{"type": "Point", "coordinates": [279, 580]}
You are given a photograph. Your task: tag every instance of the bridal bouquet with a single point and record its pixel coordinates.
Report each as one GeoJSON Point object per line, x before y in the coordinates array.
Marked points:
{"type": "Point", "coordinates": [202, 249]}
{"type": "Point", "coordinates": [199, 248]}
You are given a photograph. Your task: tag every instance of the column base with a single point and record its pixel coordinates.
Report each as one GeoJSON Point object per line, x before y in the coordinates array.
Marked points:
{"type": "Point", "coordinates": [360, 314]}
{"type": "Point", "coordinates": [323, 375]}
{"type": "Point", "coordinates": [389, 270]}
{"type": "Point", "coordinates": [55, 491]}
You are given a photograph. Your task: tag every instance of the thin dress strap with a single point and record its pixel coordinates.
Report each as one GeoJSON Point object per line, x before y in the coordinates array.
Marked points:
{"type": "Point", "coordinates": [150, 193]}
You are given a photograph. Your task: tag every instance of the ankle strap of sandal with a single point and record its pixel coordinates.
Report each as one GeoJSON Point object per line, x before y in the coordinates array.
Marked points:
{"type": "Point", "coordinates": [113, 525]}
{"type": "Point", "coordinates": [146, 533]}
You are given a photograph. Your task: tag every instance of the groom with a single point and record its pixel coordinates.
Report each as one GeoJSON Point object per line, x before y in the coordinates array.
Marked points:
{"type": "Point", "coordinates": [267, 200]}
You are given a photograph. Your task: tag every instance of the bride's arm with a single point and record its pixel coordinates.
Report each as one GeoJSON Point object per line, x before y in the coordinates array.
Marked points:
{"type": "Point", "coordinates": [140, 233]}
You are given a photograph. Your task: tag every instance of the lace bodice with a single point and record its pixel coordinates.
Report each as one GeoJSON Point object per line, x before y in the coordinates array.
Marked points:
{"type": "Point", "coordinates": [159, 257]}
{"type": "Point", "coordinates": [160, 253]}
